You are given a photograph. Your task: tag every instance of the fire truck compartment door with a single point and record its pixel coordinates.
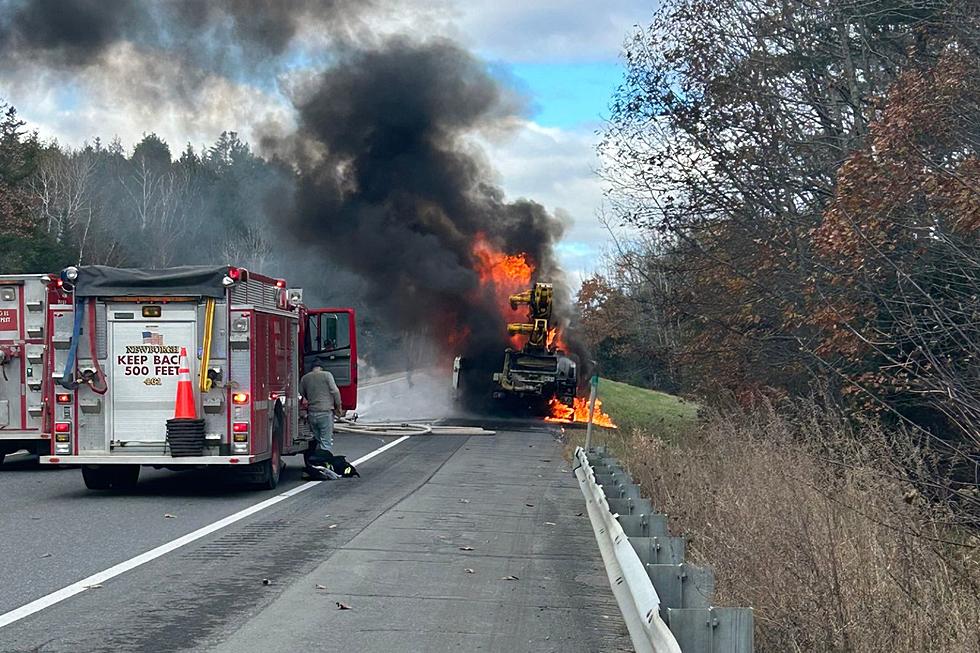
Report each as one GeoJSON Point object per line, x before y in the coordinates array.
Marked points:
{"type": "Point", "coordinates": [142, 368]}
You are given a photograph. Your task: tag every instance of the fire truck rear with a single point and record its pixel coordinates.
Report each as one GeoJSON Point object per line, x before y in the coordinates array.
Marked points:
{"type": "Point", "coordinates": [115, 339]}
{"type": "Point", "coordinates": [23, 299]}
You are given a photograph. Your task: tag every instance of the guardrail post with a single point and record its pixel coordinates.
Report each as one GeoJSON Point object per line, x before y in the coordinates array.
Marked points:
{"type": "Point", "coordinates": [713, 630]}
{"type": "Point", "coordinates": [656, 550]}
{"type": "Point", "coordinates": [594, 383]}
{"type": "Point", "coordinates": [682, 586]}
{"type": "Point", "coordinates": [648, 525]}
{"type": "Point", "coordinates": [629, 505]}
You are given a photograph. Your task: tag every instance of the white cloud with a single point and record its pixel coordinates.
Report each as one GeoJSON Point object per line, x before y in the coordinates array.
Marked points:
{"type": "Point", "coordinates": [548, 30]}
{"type": "Point", "coordinates": [556, 168]}
{"type": "Point", "coordinates": [132, 92]}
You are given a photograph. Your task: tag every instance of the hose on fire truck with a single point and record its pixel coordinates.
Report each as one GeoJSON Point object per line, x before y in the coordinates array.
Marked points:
{"type": "Point", "coordinates": [205, 381]}
{"type": "Point", "coordinates": [99, 374]}
{"type": "Point", "coordinates": [68, 379]}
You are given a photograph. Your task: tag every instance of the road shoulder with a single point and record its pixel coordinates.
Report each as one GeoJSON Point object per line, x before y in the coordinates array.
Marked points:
{"type": "Point", "coordinates": [493, 552]}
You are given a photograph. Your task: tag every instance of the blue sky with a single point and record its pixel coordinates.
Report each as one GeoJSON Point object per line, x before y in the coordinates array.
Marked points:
{"type": "Point", "coordinates": [569, 95]}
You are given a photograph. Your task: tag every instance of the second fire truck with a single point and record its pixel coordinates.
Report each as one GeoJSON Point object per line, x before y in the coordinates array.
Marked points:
{"type": "Point", "coordinates": [23, 311]}
{"type": "Point", "coordinates": [114, 339]}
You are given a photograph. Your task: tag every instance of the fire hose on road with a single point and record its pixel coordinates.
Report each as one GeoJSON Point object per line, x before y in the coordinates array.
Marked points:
{"type": "Point", "coordinates": [404, 428]}
{"type": "Point", "coordinates": [381, 428]}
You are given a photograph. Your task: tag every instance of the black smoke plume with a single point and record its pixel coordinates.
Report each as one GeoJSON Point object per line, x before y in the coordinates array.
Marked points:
{"type": "Point", "coordinates": [215, 34]}
{"type": "Point", "coordinates": [392, 188]}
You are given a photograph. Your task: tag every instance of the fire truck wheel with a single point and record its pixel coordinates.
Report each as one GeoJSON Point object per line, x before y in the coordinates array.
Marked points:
{"type": "Point", "coordinates": [271, 468]}
{"type": "Point", "coordinates": [116, 477]}
{"type": "Point", "coordinates": [124, 477]}
{"type": "Point", "coordinates": [97, 478]}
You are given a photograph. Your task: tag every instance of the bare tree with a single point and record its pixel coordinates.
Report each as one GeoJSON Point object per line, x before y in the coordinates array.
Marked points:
{"type": "Point", "coordinates": [160, 203]}
{"type": "Point", "coordinates": [62, 186]}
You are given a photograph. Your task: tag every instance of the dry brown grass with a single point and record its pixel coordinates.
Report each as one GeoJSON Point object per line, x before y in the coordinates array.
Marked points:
{"type": "Point", "coordinates": [827, 540]}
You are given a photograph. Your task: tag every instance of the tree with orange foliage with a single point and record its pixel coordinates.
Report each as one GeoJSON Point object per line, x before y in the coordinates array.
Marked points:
{"type": "Point", "coordinates": [897, 302]}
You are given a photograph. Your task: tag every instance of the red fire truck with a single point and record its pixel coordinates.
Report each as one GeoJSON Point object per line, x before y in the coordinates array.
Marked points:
{"type": "Point", "coordinates": [115, 337]}
{"type": "Point", "coordinates": [23, 299]}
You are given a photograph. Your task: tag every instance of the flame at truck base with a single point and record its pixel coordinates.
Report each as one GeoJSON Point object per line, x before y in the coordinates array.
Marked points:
{"type": "Point", "coordinates": [578, 413]}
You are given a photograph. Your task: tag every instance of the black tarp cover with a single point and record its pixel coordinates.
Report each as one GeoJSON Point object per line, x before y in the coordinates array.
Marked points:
{"type": "Point", "coordinates": [187, 280]}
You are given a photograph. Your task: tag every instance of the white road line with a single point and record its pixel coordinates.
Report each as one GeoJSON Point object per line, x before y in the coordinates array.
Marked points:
{"type": "Point", "coordinates": [100, 577]}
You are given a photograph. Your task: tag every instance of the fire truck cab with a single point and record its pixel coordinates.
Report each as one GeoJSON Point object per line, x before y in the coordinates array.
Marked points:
{"type": "Point", "coordinates": [23, 299]}
{"type": "Point", "coordinates": [116, 336]}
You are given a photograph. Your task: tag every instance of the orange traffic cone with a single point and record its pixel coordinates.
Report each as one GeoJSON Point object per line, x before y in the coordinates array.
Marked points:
{"type": "Point", "coordinates": [185, 408]}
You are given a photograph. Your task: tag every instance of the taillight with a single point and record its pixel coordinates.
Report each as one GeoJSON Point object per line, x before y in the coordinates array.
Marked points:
{"type": "Point", "coordinates": [239, 437]}
{"type": "Point", "coordinates": [239, 398]}
{"type": "Point", "coordinates": [63, 398]}
{"type": "Point", "coordinates": [62, 438]}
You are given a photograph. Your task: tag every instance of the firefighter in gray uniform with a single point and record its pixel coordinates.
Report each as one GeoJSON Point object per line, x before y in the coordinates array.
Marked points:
{"type": "Point", "coordinates": [322, 395]}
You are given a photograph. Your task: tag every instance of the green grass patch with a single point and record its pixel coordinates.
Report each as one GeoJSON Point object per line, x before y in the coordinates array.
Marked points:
{"type": "Point", "coordinates": [655, 412]}
{"type": "Point", "coordinates": [635, 409]}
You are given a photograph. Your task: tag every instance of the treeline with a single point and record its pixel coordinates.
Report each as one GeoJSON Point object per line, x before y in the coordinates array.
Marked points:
{"type": "Point", "coordinates": [151, 207]}
{"type": "Point", "coordinates": [806, 180]}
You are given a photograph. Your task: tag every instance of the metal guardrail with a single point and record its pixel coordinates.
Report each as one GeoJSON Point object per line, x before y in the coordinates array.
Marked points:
{"type": "Point", "coordinates": [665, 601]}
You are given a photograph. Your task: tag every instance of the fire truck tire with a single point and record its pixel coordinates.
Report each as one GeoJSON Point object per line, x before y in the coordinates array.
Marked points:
{"type": "Point", "coordinates": [97, 478]}
{"type": "Point", "coordinates": [3, 454]}
{"type": "Point", "coordinates": [271, 468]}
{"type": "Point", "coordinates": [125, 477]}
{"type": "Point", "coordinates": [116, 477]}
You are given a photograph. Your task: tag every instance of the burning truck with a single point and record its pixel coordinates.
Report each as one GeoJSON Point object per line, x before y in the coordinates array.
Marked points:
{"type": "Point", "coordinates": [538, 371]}
{"type": "Point", "coordinates": [534, 373]}
{"type": "Point", "coordinates": [539, 374]}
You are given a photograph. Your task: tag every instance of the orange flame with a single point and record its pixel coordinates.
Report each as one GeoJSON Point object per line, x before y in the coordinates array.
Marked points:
{"type": "Point", "coordinates": [555, 341]}
{"type": "Point", "coordinates": [502, 275]}
{"type": "Point", "coordinates": [578, 413]}
{"type": "Point", "coordinates": [507, 274]}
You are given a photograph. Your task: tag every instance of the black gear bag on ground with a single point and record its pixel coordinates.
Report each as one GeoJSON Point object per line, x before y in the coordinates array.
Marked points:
{"type": "Point", "coordinates": [316, 455]}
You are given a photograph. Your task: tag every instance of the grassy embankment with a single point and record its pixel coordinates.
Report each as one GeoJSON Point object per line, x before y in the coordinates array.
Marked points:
{"type": "Point", "coordinates": [638, 408]}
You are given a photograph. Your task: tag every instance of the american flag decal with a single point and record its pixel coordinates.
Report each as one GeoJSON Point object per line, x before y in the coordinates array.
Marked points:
{"type": "Point", "coordinates": [151, 338]}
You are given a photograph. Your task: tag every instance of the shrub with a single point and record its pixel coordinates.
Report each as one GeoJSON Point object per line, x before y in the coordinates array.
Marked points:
{"type": "Point", "coordinates": [826, 529]}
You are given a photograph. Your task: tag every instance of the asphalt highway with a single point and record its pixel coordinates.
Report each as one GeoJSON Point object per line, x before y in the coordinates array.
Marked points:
{"type": "Point", "coordinates": [446, 543]}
